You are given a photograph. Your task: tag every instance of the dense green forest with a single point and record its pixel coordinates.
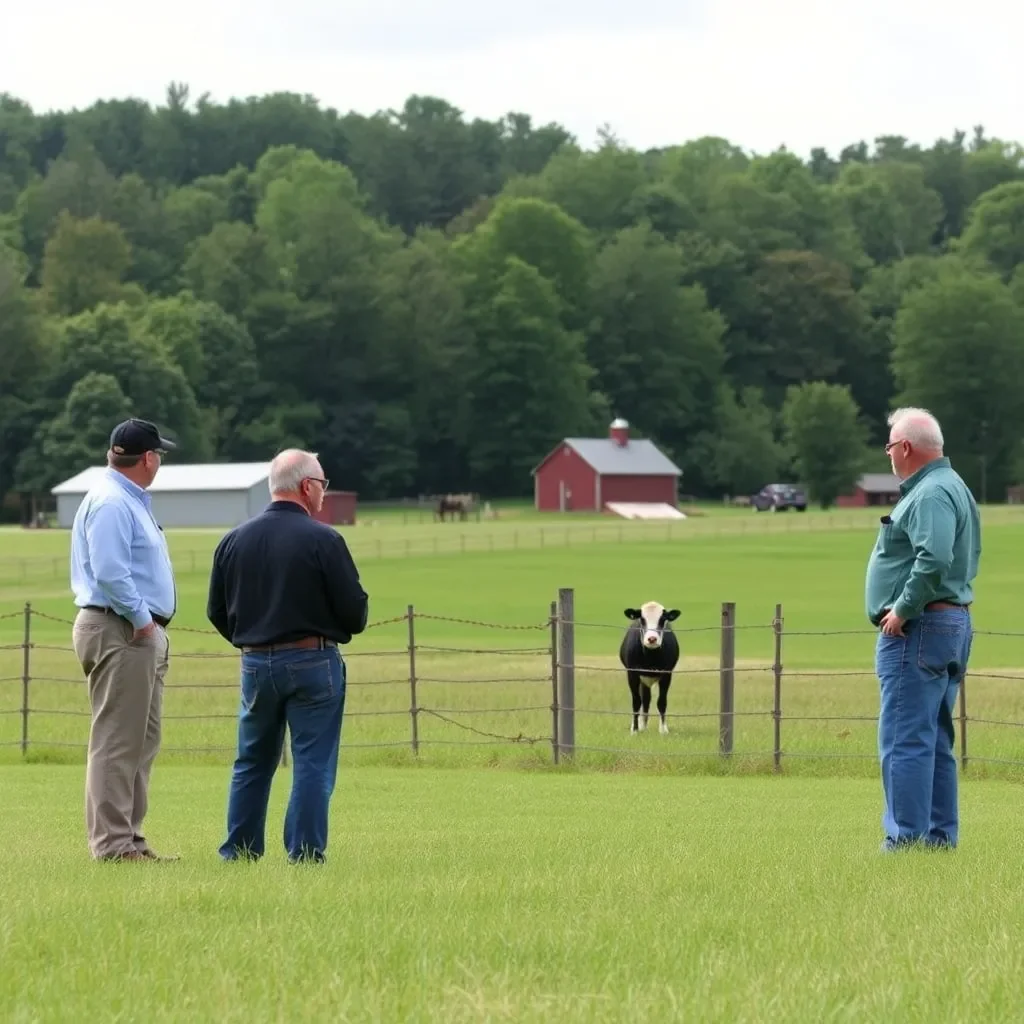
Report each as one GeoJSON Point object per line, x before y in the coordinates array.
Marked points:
{"type": "Point", "coordinates": [433, 302]}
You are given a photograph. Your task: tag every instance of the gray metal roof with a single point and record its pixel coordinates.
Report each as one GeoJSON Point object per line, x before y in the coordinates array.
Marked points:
{"type": "Point", "coordinates": [197, 476]}
{"type": "Point", "coordinates": [637, 458]}
{"type": "Point", "coordinates": [879, 483]}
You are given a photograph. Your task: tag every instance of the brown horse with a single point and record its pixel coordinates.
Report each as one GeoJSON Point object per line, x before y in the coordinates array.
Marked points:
{"type": "Point", "coordinates": [455, 505]}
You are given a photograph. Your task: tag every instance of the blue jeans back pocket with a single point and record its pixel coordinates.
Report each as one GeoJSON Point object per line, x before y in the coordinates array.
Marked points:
{"type": "Point", "coordinates": [311, 678]}
{"type": "Point", "coordinates": [940, 643]}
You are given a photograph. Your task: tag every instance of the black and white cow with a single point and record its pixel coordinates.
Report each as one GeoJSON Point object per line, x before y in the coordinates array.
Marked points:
{"type": "Point", "coordinates": [649, 653]}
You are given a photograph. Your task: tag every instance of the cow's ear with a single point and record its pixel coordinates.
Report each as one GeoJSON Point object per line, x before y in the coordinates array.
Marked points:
{"type": "Point", "coordinates": [672, 615]}
{"type": "Point", "coordinates": [632, 613]}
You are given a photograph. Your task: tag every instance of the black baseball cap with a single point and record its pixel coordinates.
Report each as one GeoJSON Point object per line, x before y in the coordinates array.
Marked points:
{"type": "Point", "coordinates": [136, 437]}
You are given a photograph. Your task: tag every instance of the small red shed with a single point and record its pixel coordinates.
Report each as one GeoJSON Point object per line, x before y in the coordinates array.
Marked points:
{"type": "Point", "coordinates": [872, 489]}
{"type": "Point", "coordinates": [583, 474]}
{"type": "Point", "coordinates": [339, 508]}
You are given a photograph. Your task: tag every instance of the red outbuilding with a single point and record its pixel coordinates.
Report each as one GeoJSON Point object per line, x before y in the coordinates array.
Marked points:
{"type": "Point", "coordinates": [339, 508]}
{"type": "Point", "coordinates": [872, 489]}
{"type": "Point", "coordinates": [584, 474]}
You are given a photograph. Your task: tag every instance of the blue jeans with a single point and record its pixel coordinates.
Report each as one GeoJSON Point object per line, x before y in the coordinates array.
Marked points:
{"type": "Point", "coordinates": [920, 674]}
{"type": "Point", "coordinates": [306, 690]}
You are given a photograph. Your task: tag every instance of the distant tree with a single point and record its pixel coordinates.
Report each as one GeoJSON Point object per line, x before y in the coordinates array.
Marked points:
{"type": "Point", "coordinates": [995, 229]}
{"type": "Point", "coordinates": [84, 264]}
{"type": "Point", "coordinates": [655, 345]}
{"type": "Point", "coordinates": [109, 341]}
{"type": "Point", "coordinates": [826, 438]}
{"type": "Point", "coordinates": [530, 381]}
{"type": "Point", "coordinates": [543, 236]}
{"type": "Point", "coordinates": [79, 436]}
{"type": "Point", "coordinates": [746, 453]}
{"type": "Point", "coordinates": [958, 349]}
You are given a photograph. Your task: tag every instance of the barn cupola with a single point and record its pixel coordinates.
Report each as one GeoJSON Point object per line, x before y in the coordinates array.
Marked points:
{"type": "Point", "coordinates": [619, 432]}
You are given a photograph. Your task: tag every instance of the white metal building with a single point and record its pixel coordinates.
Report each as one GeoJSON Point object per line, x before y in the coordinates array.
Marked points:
{"type": "Point", "coordinates": [202, 494]}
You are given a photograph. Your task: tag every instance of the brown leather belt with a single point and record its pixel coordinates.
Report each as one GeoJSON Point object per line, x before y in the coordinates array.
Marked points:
{"type": "Point", "coordinates": [158, 619]}
{"type": "Point", "coordinates": [316, 643]}
{"type": "Point", "coordinates": [939, 606]}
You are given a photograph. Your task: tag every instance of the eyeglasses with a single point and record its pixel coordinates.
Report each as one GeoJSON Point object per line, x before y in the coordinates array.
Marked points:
{"type": "Point", "coordinates": [892, 444]}
{"type": "Point", "coordinates": [321, 480]}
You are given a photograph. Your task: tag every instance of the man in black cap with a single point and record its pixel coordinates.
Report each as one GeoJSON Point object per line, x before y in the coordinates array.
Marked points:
{"type": "Point", "coordinates": [123, 584]}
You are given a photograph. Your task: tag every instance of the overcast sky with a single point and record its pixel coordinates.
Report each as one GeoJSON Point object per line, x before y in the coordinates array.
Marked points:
{"type": "Point", "coordinates": [762, 73]}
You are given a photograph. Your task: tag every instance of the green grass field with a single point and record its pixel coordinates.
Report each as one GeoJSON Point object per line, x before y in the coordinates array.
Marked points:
{"type": "Point", "coordinates": [474, 881]}
{"type": "Point", "coordinates": [498, 896]}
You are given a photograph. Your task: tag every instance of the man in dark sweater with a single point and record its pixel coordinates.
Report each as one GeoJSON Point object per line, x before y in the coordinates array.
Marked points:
{"type": "Point", "coordinates": [285, 591]}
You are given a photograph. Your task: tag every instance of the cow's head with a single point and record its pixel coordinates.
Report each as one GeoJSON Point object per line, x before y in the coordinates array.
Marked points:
{"type": "Point", "coordinates": [652, 619]}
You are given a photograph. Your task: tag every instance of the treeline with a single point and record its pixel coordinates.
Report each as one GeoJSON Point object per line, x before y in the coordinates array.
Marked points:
{"type": "Point", "coordinates": [432, 303]}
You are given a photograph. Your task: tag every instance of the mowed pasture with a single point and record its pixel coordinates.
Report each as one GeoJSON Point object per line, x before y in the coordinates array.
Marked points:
{"type": "Point", "coordinates": [629, 886]}
{"type": "Point", "coordinates": [483, 660]}
{"type": "Point", "coordinates": [485, 896]}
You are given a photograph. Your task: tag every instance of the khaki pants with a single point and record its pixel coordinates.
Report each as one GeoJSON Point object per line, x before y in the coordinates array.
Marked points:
{"type": "Point", "coordinates": [126, 681]}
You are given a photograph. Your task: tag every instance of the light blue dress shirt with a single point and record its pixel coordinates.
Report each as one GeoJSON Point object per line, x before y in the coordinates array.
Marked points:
{"type": "Point", "coordinates": [119, 556]}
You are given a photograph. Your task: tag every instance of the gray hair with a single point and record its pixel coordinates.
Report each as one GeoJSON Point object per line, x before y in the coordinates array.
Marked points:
{"type": "Point", "coordinates": [919, 427]}
{"type": "Point", "coordinates": [290, 467]}
{"type": "Point", "coordinates": [116, 461]}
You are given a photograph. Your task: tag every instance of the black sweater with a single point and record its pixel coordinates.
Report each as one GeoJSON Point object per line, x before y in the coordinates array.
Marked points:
{"type": "Point", "coordinates": [281, 576]}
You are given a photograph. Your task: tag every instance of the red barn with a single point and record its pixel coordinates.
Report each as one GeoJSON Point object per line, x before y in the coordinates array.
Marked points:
{"type": "Point", "coordinates": [583, 474]}
{"type": "Point", "coordinates": [338, 509]}
{"type": "Point", "coordinates": [872, 489]}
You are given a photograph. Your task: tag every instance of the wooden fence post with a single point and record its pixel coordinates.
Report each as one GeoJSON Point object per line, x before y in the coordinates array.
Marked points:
{"type": "Point", "coordinates": [413, 708]}
{"type": "Point", "coordinates": [727, 679]}
{"type": "Point", "coordinates": [566, 672]}
{"type": "Point", "coordinates": [963, 724]}
{"type": "Point", "coordinates": [554, 680]}
{"type": "Point", "coordinates": [26, 664]}
{"type": "Point", "coordinates": [777, 670]}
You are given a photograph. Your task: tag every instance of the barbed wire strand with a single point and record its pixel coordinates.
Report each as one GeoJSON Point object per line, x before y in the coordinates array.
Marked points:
{"type": "Point", "coordinates": [520, 738]}
{"type": "Point", "coordinates": [486, 711]}
{"type": "Point", "coordinates": [620, 627]}
{"type": "Point", "coordinates": [486, 679]}
{"type": "Point", "coordinates": [678, 670]}
{"type": "Point", "coordinates": [434, 649]}
{"type": "Point", "coordinates": [653, 713]}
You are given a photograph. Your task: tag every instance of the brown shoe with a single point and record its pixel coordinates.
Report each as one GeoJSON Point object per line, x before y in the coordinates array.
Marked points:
{"type": "Point", "coordinates": [127, 855]}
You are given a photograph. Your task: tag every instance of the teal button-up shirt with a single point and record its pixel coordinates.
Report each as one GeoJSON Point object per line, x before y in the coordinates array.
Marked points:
{"type": "Point", "coordinates": [928, 549]}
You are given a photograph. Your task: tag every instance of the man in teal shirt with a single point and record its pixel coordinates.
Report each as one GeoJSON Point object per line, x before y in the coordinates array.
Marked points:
{"type": "Point", "coordinates": [918, 592]}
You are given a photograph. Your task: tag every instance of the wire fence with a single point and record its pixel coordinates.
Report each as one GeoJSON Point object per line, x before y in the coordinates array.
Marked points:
{"type": "Point", "coordinates": [368, 542]}
{"type": "Point", "coordinates": [553, 688]}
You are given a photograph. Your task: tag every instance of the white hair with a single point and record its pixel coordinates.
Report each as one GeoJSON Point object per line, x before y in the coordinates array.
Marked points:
{"type": "Point", "coordinates": [290, 467]}
{"type": "Point", "coordinates": [918, 426]}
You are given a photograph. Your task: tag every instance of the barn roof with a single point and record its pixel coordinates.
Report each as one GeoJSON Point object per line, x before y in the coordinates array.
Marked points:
{"type": "Point", "coordinates": [200, 476]}
{"type": "Point", "coordinates": [609, 458]}
{"type": "Point", "coordinates": [878, 483]}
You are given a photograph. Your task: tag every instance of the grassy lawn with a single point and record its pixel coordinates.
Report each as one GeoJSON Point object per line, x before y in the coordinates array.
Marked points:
{"type": "Point", "coordinates": [494, 896]}
{"type": "Point", "coordinates": [476, 881]}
